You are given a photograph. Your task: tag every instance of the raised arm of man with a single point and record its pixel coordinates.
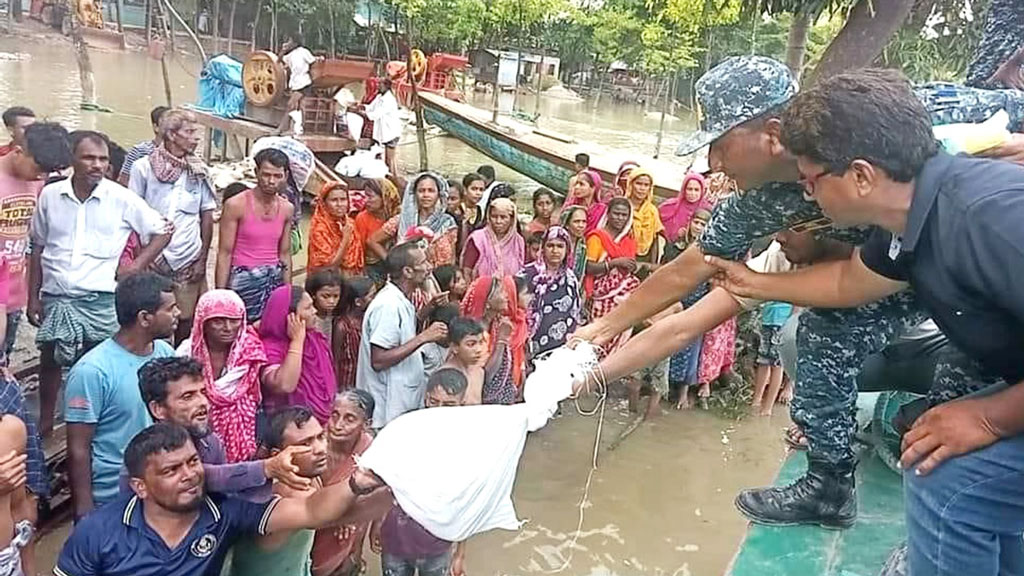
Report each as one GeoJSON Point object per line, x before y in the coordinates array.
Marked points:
{"type": "Point", "coordinates": [328, 506]}
{"type": "Point", "coordinates": [229, 219]}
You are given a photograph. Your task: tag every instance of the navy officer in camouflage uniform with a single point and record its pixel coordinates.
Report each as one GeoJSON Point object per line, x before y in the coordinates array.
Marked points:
{"type": "Point", "coordinates": [742, 99]}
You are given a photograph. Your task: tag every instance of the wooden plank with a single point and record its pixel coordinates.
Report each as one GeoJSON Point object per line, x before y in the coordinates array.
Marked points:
{"type": "Point", "coordinates": [241, 128]}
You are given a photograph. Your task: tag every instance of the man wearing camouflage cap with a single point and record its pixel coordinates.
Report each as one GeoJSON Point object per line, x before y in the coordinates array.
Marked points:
{"type": "Point", "coordinates": [741, 100]}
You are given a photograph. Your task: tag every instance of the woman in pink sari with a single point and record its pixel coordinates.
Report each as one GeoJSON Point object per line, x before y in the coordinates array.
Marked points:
{"type": "Point", "coordinates": [676, 212]}
{"type": "Point", "coordinates": [585, 192]}
{"type": "Point", "coordinates": [497, 249]}
{"type": "Point", "coordinates": [611, 264]}
{"type": "Point", "coordinates": [287, 329]}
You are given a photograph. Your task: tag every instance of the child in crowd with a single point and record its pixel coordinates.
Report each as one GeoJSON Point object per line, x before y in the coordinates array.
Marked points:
{"type": "Point", "coordinates": [455, 194]}
{"type": "Point", "coordinates": [768, 377]}
{"type": "Point", "coordinates": [544, 206]}
{"type": "Point", "coordinates": [404, 546]}
{"type": "Point", "coordinates": [683, 366]}
{"type": "Point", "coordinates": [582, 162]}
{"type": "Point", "coordinates": [533, 244]}
{"type": "Point", "coordinates": [15, 512]}
{"type": "Point", "coordinates": [435, 353]}
{"type": "Point", "coordinates": [324, 287]}
{"type": "Point", "coordinates": [356, 294]}
{"type": "Point", "coordinates": [467, 352]}
{"type": "Point", "coordinates": [451, 279]}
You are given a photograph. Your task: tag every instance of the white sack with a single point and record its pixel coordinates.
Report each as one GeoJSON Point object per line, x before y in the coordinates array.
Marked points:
{"type": "Point", "coordinates": [300, 157]}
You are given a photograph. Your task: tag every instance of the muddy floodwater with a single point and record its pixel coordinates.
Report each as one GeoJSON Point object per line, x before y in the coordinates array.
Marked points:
{"type": "Point", "coordinates": [659, 504]}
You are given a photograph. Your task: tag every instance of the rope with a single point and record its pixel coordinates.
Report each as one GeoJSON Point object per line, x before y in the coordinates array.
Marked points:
{"type": "Point", "coordinates": [597, 373]}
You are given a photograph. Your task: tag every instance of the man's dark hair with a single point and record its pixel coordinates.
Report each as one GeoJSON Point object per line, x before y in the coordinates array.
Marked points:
{"type": "Point", "coordinates": [79, 136]}
{"type": "Point", "coordinates": [462, 327]}
{"type": "Point", "coordinates": [12, 114]}
{"type": "Point", "coordinates": [272, 156]}
{"type": "Point", "coordinates": [352, 289]}
{"type": "Point", "coordinates": [451, 380]}
{"type": "Point", "coordinates": [583, 159]}
{"type": "Point", "coordinates": [156, 113]}
{"type": "Point", "coordinates": [233, 189]}
{"type": "Point", "coordinates": [869, 114]}
{"type": "Point", "coordinates": [139, 293]}
{"type": "Point", "coordinates": [160, 437]}
{"type": "Point", "coordinates": [48, 145]}
{"type": "Point", "coordinates": [444, 314]}
{"type": "Point", "coordinates": [400, 257]}
{"type": "Point", "coordinates": [487, 171]}
{"type": "Point", "coordinates": [279, 421]}
{"type": "Point", "coordinates": [472, 177]}
{"type": "Point", "coordinates": [296, 38]}
{"type": "Point", "coordinates": [155, 375]}
{"type": "Point", "coordinates": [117, 156]}
{"type": "Point", "coordinates": [322, 278]}
{"type": "Point", "coordinates": [535, 239]}
{"type": "Point", "coordinates": [445, 276]}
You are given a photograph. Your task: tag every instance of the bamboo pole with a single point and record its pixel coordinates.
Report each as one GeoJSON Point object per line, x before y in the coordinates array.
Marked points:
{"type": "Point", "coordinates": [231, 26]}
{"type": "Point", "coordinates": [421, 135]}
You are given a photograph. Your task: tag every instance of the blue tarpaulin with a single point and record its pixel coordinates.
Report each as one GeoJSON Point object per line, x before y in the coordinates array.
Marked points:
{"type": "Point", "coordinates": [220, 87]}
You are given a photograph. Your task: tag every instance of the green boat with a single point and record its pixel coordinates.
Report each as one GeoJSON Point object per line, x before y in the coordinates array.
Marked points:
{"type": "Point", "coordinates": [544, 156]}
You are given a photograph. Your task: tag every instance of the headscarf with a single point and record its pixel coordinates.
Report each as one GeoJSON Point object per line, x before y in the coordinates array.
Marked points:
{"type": "Point", "coordinates": [232, 409]}
{"type": "Point", "coordinates": [474, 306]}
{"type": "Point", "coordinates": [326, 234]}
{"type": "Point", "coordinates": [646, 222]}
{"type": "Point", "coordinates": [576, 256]}
{"type": "Point", "coordinates": [499, 256]}
{"type": "Point", "coordinates": [389, 194]}
{"type": "Point", "coordinates": [317, 382]}
{"type": "Point", "coordinates": [555, 309]}
{"type": "Point", "coordinates": [622, 177]}
{"type": "Point", "coordinates": [677, 212]}
{"type": "Point", "coordinates": [439, 221]}
{"type": "Point", "coordinates": [552, 233]}
{"type": "Point", "coordinates": [596, 210]}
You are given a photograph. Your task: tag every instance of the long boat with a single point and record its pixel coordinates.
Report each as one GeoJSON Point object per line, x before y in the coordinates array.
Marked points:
{"type": "Point", "coordinates": [544, 156]}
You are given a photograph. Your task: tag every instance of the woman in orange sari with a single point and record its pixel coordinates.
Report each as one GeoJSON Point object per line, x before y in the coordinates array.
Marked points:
{"type": "Point", "coordinates": [611, 264]}
{"type": "Point", "coordinates": [494, 301]}
{"type": "Point", "coordinates": [382, 203]}
{"type": "Point", "coordinates": [333, 242]}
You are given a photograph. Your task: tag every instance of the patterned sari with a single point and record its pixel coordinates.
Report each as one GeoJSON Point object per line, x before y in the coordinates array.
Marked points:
{"type": "Point", "coordinates": [611, 289]}
{"type": "Point", "coordinates": [555, 310]}
{"type": "Point", "coordinates": [503, 387]}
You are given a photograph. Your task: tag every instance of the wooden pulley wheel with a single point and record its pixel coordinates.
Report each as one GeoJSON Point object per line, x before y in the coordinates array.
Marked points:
{"type": "Point", "coordinates": [419, 65]}
{"type": "Point", "coordinates": [264, 78]}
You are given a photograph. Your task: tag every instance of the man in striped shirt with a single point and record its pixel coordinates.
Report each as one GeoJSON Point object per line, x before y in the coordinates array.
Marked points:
{"type": "Point", "coordinates": [144, 148]}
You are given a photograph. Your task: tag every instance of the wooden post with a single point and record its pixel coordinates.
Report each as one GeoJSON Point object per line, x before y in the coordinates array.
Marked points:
{"type": "Point", "coordinates": [540, 79]}
{"type": "Point", "coordinates": [162, 15]}
{"type": "Point", "coordinates": [231, 27]}
{"type": "Point", "coordinates": [330, 15]}
{"type": "Point", "coordinates": [119, 8]}
{"type": "Point", "coordinates": [149, 22]}
{"type": "Point", "coordinates": [85, 74]}
{"type": "Point", "coordinates": [256, 24]}
{"type": "Point", "coordinates": [421, 135]}
{"type": "Point", "coordinates": [664, 112]}
{"type": "Point", "coordinates": [215, 26]}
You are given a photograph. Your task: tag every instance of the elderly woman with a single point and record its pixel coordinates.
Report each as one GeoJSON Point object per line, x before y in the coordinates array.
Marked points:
{"type": "Point", "coordinates": [497, 249]}
{"type": "Point", "coordinates": [554, 311]}
{"type": "Point", "coordinates": [646, 221]}
{"type": "Point", "coordinates": [235, 369]}
{"type": "Point", "coordinates": [423, 216]}
{"type": "Point", "coordinates": [333, 242]}
{"type": "Point", "coordinates": [338, 549]}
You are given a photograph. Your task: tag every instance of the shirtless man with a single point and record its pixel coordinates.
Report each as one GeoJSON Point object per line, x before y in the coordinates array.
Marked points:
{"type": "Point", "coordinates": [15, 526]}
{"type": "Point", "coordinates": [467, 353]}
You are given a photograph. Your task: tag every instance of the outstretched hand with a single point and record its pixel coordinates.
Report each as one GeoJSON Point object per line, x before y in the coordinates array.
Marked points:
{"type": "Point", "coordinates": [282, 468]}
{"type": "Point", "coordinates": [735, 277]}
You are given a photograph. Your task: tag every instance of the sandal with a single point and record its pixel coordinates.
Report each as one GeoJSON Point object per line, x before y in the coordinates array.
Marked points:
{"type": "Point", "coordinates": [794, 438]}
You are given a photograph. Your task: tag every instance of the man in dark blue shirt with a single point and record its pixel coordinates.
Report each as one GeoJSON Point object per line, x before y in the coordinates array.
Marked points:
{"type": "Point", "coordinates": [171, 527]}
{"type": "Point", "coordinates": [951, 228]}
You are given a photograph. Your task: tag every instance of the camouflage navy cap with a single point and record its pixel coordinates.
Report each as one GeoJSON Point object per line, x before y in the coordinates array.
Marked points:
{"type": "Point", "coordinates": [739, 89]}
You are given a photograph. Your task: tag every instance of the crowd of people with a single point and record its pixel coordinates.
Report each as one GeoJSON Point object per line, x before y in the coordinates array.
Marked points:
{"type": "Point", "coordinates": [220, 429]}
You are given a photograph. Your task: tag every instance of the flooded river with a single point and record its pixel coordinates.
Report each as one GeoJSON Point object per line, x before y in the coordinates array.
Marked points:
{"type": "Point", "coordinates": [660, 504]}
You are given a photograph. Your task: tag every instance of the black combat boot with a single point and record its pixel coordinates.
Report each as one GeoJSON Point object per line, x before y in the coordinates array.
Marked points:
{"type": "Point", "coordinates": [826, 496]}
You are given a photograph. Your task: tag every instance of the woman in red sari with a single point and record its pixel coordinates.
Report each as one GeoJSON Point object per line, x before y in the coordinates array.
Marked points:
{"type": "Point", "coordinates": [494, 301]}
{"type": "Point", "coordinates": [585, 191]}
{"type": "Point", "coordinates": [611, 264]}
{"type": "Point", "coordinates": [333, 241]}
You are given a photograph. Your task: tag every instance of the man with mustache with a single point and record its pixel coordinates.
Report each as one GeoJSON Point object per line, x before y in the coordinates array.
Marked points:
{"type": "Point", "coordinates": [78, 231]}
{"type": "Point", "coordinates": [173, 391]}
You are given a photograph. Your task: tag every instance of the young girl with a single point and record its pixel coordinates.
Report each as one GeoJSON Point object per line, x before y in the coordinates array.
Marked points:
{"type": "Point", "coordinates": [356, 294]}
{"type": "Point", "coordinates": [324, 287]}
{"type": "Point", "coordinates": [452, 280]}
{"type": "Point", "coordinates": [533, 242]}
{"type": "Point", "coordinates": [682, 370]}
{"type": "Point", "coordinates": [543, 210]}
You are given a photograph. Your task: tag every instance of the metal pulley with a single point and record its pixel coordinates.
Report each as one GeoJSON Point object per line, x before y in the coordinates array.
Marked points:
{"type": "Point", "coordinates": [264, 78]}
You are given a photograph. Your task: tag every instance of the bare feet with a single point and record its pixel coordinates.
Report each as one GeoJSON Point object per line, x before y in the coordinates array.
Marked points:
{"type": "Point", "coordinates": [786, 396]}
{"type": "Point", "coordinates": [653, 406]}
{"type": "Point", "coordinates": [684, 399]}
{"type": "Point", "coordinates": [633, 387]}
{"type": "Point", "coordinates": [703, 394]}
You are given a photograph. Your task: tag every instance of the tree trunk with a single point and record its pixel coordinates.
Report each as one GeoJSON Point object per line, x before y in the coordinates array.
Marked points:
{"type": "Point", "coordinates": [600, 87]}
{"type": "Point", "coordinates": [334, 46]}
{"type": "Point", "coordinates": [540, 78]}
{"type": "Point", "coordinates": [868, 29]}
{"type": "Point", "coordinates": [85, 75]}
{"type": "Point", "coordinates": [273, 26]}
{"type": "Point", "coordinates": [796, 42]}
{"type": "Point", "coordinates": [149, 22]}
{"type": "Point", "coordinates": [231, 26]}
{"type": "Point", "coordinates": [256, 24]}
{"type": "Point", "coordinates": [664, 113]}
{"type": "Point", "coordinates": [215, 26]}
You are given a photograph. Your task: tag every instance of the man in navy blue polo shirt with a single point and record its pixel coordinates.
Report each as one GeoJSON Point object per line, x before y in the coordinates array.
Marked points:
{"type": "Point", "coordinates": [171, 527]}
{"type": "Point", "coordinates": [951, 228]}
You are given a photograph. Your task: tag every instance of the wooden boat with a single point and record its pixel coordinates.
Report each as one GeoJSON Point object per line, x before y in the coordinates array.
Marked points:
{"type": "Point", "coordinates": [544, 156]}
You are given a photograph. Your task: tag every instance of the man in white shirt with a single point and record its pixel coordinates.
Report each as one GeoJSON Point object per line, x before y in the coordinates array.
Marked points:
{"type": "Point", "coordinates": [174, 181]}
{"type": "Point", "coordinates": [78, 232]}
{"type": "Point", "coordinates": [297, 58]}
{"type": "Point", "coordinates": [387, 125]}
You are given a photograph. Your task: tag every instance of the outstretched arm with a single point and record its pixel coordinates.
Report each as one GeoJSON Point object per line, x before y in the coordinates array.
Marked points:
{"type": "Point", "coordinates": [325, 508]}
{"type": "Point", "coordinates": [839, 284]}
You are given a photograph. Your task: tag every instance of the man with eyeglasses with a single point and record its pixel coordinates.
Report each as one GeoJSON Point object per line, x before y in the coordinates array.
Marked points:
{"type": "Point", "coordinates": [743, 99]}
{"type": "Point", "coordinates": [176, 183]}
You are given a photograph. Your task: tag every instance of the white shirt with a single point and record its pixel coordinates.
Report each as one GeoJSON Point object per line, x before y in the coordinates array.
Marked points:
{"type": "Point", "coordinates": [389, 322]}
{"type": "Point", "coordinates": [383, 111]}
{"type": "Point", "coordinates": [83, 241]}
{"type": "Point", "coordinates": [181, 202]}
{"type": "Point", "coordinates": [298, 62]}
{"type": "Point", "coordinates": [771, 261]}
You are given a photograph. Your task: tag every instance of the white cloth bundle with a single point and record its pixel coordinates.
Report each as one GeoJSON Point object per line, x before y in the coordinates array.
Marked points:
{"type": "Point", "coordinates": [452, 469]}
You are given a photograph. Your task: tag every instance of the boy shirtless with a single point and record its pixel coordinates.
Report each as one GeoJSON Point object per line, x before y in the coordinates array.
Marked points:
{"type": "Point", "coordinates": [467, 353]}
{"type": "Point", "coordinates": [15, 526]}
